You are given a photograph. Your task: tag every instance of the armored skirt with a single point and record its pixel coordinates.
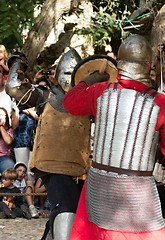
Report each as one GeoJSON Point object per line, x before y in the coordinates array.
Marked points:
{"type": "Point", "coordinates": [116, 222]}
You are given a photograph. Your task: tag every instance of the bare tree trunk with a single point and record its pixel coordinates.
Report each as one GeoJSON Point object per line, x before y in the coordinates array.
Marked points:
{"type": "Point", "coordinates": [158, 29]}
{"type": "Point", "coordinates": [54, 51]}
{"type": "Point", "coordinates": [158, 37]}
{"type": "Point", "coordinates": [48, 18]}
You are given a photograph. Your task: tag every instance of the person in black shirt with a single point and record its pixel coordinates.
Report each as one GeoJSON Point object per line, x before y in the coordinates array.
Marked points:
{"type": "Point", "coordinates": [11, 206]}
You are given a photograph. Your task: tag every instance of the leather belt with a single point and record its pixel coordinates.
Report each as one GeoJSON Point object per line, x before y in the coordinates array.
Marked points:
{"type": "Point", "coordinates": [121, 170]}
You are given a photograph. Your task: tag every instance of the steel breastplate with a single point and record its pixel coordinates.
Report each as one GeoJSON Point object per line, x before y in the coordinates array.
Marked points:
{"type": "Point", "coordinates": [125, 135]}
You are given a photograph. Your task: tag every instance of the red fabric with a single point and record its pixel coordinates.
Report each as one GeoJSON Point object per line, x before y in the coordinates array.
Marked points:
{"type": "Point", "coordinates": [85, 230]}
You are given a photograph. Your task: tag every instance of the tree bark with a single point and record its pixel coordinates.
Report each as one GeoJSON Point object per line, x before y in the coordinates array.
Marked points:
{"type": "Point", "coordinates": [158, 29]}
{"type": "Point", "coordinates": [158, 37]}
{"type": "Point", "coordinates": [48, 56]}
{"type": "Point", "coordinates": [45, 22]}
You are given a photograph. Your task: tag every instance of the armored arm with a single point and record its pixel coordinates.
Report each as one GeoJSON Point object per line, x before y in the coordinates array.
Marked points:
{"type": "Point", "coordinates": [17, 85]}
{"type": "Point", "coordinates": [96, 77]}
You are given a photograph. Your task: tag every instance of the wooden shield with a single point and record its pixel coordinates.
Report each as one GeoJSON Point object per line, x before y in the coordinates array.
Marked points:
{"type": "Point", "coordinates": [100, 63]}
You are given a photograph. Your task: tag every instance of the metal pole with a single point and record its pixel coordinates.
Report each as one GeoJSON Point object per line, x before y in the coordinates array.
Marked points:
{"type": "Point", "coordinates": [161, 71]}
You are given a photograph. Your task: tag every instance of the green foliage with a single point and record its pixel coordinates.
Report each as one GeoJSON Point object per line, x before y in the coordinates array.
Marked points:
{"type": "Point", "coordinates": [110, 17]}
{"type": "Point", "coordinates": [15, 16]}
{"type": "Point", "coordinates": [104, 25]}
{"type": "Point", "coordinates": [101, 29]}
{"type": "Point", "coordinates": [107, 21]}
{"type": "Point", "coordinates": [115, 6]}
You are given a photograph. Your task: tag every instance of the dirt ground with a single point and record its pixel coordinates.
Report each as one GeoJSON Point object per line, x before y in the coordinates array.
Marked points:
{"type": "Point", "coordinates": [22, 229]}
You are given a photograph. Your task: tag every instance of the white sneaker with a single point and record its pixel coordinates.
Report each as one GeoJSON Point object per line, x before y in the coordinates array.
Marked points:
{"type": "Point", "coordinates": [33, 211]}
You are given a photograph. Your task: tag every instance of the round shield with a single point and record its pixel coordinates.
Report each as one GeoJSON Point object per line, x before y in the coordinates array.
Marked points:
{"type": "Point", "coordinates": [100, 63]}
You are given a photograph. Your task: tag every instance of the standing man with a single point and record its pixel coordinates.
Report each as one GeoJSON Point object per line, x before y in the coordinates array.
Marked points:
{"type": "Point", "coordinates": [57, 158]}
{"type": "Point", "coordinates": [120, 199]}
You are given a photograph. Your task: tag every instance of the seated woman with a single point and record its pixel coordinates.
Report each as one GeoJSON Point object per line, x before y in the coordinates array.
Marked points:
{"type": "Point", "coordinates": [7, 159]}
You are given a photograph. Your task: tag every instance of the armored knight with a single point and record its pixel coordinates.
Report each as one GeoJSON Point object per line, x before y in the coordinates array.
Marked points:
{"type": "Point", "coordinates": [119, 199]}
{"type": "Point", "coordinates": [61, 146]}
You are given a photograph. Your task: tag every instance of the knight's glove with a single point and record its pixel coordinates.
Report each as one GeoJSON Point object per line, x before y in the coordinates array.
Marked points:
{"type": "Point", "coordinates": [96, 77]}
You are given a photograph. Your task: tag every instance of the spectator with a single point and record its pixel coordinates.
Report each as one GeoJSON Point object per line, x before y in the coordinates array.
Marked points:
{"type": "Point", "coordinates": [42, 200]}
{"type": "Point", "coordinates": [6, 102]}
{"type": "Point", "coordinates": [3, 61]}
{"type": "Point", "coordinates": [26, 186]}
{"type": "Point", "coordinates": [23, 145]}
{"type": "Point", "coordinates": [31, 199]}
{"type": "Point", "coordinates": [7, 159]}
{"type": "Point", "coordinates": [153, 78]}
{"type": "Point", "coordinates": [21, 180]}
{"type": "Point", "coordinates": [23, 136]}
{"type": "Point", "coordinates": [153, 74]}
{"type": "Point", "coordinates": [11, 206]}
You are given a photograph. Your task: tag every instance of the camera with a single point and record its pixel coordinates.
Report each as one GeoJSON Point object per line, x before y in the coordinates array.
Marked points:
{"type": "Point", "coordinates": [46, 72]}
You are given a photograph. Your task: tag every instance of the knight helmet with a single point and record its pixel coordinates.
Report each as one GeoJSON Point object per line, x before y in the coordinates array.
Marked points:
{"type": "Point", "coordinates": [134, 58]}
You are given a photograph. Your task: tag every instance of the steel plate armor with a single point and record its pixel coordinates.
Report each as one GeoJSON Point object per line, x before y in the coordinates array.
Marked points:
{"type": "Point", "coordinates": [127, 117]}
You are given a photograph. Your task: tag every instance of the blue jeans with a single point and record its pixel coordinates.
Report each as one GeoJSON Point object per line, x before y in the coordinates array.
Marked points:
{"type": "Point", "coordinates": [6, 162]}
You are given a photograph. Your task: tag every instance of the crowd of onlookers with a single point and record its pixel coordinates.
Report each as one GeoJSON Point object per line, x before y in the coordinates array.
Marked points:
{"type": "Point", "coordinates": [17, 129]}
